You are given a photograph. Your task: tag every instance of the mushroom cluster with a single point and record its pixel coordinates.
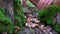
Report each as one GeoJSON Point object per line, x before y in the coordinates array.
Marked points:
{"type": "Point", "coordinates": [31, 21]}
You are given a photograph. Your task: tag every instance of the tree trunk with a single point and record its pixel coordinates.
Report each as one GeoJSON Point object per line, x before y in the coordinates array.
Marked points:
{"type": "Point", "coordinates": [9, 9]}
{"type": "Point", "coordinates": [7, 5]}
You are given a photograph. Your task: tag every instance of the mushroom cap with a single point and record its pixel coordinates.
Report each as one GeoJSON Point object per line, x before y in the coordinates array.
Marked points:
{"type": "Point", "coordinates": [17, 27]}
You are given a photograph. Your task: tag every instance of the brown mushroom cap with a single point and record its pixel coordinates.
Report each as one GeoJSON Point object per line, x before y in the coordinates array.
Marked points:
{"type": "Point", "coordinates": [17, 27]}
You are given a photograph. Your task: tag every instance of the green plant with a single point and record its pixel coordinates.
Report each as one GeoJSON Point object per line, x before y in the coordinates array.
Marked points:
{"type": "Point", "coordinates": [47, 15]}
{"type": "Point", "coordinates": [5, 23]}
{"type": "Point", "coordinates": [18, 13]}
{"type": "Point", "coordinates": [57, 28]}
{"type": "Point", "coordinates": [29, 3]}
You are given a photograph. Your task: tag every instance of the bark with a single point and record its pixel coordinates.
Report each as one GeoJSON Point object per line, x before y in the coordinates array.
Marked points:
{"type": "Point", "coordinates": [8, 7]}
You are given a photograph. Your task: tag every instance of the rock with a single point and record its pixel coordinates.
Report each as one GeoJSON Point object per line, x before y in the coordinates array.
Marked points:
{"type": "Point", "coordinates": [26, 31]}
{"type": "Point", "coordinates": [54, 32]}
{"type": "Point", "coordinates": [34, 14]}
{"type": "Point", "coordinates": [58, 18]}
{"type": "Point", "coordinates": [42, 27]}
{"type": "Point", "coordinates": [36, 30]}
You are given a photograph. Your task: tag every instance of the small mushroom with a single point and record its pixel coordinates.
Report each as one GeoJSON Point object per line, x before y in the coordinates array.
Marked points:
{"type": "Point", "coordinates": [31, 25]}
{"type": "Point", "coordinates": [27, 24]}
{"type": "Point", "coordinates": [17, 28]}
{"type": "Point", "coordinates": [34, 25]}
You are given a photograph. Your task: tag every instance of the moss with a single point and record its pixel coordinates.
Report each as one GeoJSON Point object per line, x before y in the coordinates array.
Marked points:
{"type": "Point", "coordinates": [48, 15]}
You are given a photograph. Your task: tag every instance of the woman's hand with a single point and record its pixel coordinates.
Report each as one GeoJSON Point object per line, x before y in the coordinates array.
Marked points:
{"type": "Point", "coordinates": [40, 4]}
{"type": "Point", "coordinates": [44, 3]}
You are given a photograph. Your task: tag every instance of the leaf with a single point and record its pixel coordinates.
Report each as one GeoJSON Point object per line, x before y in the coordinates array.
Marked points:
{"type": "Point", "coordinates": [29, 3]}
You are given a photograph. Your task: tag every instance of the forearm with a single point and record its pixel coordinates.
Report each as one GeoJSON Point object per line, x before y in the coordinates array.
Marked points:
{"type": "Point", "coordinates": [40, 4]}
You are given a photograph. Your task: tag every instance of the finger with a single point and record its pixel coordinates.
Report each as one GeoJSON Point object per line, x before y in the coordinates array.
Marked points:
{"type": "Point", "coordinates": [41, 2]}
{"type": "Point", "coordinates": [49, 3]}
{"type": "Point", "coordinates": [45, 3]}
{"type": "Point", "coordinates": [38, 5]}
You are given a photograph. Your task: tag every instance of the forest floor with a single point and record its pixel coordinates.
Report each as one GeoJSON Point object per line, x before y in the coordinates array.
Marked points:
{"type": "Point", "coordinates": [34, 26]}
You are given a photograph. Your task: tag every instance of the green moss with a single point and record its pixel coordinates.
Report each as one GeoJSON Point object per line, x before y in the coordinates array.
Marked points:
{"type": "Point", "coordinates": [5, 22]}
{"type": "Point", "coordinates": [57, 27]}
{"type": "Point", "coordinates": [47, 15]}
{"type": "Point", "coordinates": [18, 13]}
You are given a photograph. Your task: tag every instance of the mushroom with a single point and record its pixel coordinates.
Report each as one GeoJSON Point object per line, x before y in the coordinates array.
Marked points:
{"type": "Point", "coordinates": [17, 28]}
{"type": "Point", "coordinates": [31, 25]}
{"type": "Point", "coordinates": [34, 25]}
